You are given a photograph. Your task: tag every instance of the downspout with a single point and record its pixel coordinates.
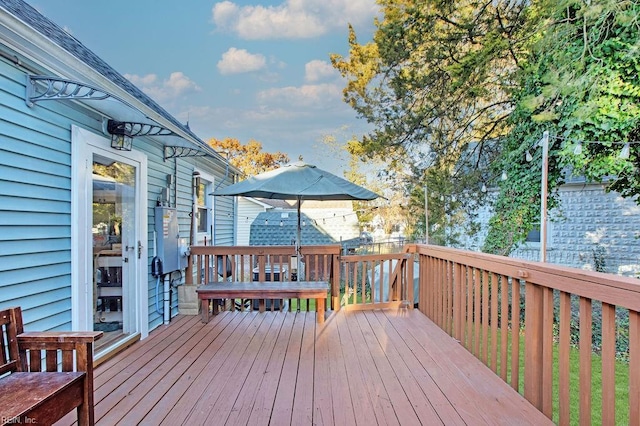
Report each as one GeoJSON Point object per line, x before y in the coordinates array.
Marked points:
{"type": "Point", "coordinates": [213, 228]}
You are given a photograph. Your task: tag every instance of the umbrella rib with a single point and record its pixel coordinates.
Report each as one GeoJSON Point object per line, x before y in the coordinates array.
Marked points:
{"type": "Point", "coordinates": [309, 186]}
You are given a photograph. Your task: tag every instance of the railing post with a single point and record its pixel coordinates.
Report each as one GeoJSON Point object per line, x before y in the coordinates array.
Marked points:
{"type": "Point", "coordinates": [409, 291]}
{"type": "Point", "coordinates": [335, 283]}
{"type": "Point", "coordinates": [458, 312]}
{"type": "Point", "coordinates": [533, 345]}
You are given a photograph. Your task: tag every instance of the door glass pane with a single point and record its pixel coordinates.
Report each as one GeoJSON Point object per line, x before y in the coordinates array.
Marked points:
{"type": "Point", "coordinates": [114, 246]}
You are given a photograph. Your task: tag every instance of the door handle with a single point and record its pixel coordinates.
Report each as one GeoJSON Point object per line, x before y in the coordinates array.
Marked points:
{"type": "Point", "coordinates": [139, 249]}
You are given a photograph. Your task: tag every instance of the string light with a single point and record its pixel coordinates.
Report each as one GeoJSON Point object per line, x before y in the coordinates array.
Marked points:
{"type": "Point", "coordinates": [578, 149]}
{"type": "Point", "coordinates": [624, 154]}
{"type": "Point", "coordinates": [283, 222]}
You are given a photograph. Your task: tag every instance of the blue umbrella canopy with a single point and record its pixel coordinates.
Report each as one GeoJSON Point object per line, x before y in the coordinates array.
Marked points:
{"type": "Point", "coordinates": [298, 181]}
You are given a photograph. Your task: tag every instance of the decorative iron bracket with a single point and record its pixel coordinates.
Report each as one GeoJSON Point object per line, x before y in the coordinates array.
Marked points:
{"type": "Point", "coordinates": [144, 129]}
{"type": "Point", "coordinates": [45, 88]}
{"type": "Point", "coordinates": [181, 151]}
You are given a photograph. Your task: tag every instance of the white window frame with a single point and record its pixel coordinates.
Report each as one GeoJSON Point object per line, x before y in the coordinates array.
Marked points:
{"type": "Point", "coordinates": [209, 188]}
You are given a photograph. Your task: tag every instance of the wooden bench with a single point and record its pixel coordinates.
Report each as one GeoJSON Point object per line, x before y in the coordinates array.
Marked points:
{"type": "Point", "coordinates": [37, 390]}
{"type": "Point", "coordinates": [263, 290]}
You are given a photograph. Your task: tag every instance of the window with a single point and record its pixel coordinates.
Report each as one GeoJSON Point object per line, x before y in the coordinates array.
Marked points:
{"type": "Point", "coordinates": [533, 236]}
{"type": "Point", "coordinates": [204, 206]}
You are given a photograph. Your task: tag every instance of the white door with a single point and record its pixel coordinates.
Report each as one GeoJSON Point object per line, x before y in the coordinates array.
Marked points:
{"type": "Point", "coordinates": [110, 230]}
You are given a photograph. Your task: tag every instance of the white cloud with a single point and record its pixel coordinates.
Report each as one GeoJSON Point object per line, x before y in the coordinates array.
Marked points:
{"type": "Point", "coordinates": [176, 85]}
{"type": "Point", "coordinates": [309, 95]}
{"type": "Point", "coordinates": [292, 18]}
{"type": "Point", "coordinates": [318, 70]}
{"type": "Point", "coordinates": [224, 13]}
{"type": "Point", "coordinates": [236, 61]}
{"type": "Point", "coordinates": [142, 81]}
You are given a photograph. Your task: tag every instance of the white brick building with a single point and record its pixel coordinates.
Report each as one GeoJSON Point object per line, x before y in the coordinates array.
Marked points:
{"type": "Point", "coordinates": [591, 226]}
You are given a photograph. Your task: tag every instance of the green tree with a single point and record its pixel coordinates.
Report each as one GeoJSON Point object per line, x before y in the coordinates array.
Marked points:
{"type": "Point", "coordinates": [464, 89]}
{"type": "Point", "coordinates": [436, 85]}
{"type": "Point", "coordinates": [579, 81]}
{"type": "Point", "coordinates": [436, 73]}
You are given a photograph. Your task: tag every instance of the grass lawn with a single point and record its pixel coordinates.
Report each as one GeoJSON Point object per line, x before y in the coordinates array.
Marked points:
{"type": "Point", "coordinates": [622, 385]}
{"type": "Point", "coordinates": [622, 388]}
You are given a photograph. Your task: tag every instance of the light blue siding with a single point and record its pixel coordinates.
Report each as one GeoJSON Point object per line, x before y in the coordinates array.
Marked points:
{"type": "Point", "coordinates": [35, 202]}
{"type": "Point", "coordinates": [35, 221]}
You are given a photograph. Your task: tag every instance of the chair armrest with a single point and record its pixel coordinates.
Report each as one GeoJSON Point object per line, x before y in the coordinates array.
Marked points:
{"type": "Point", "coordinates": [75, 346]}
{"type": "Point", "coordinates": [51, 338]}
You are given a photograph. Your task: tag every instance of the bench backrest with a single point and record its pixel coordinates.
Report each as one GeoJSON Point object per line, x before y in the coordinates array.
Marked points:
{"type": "Point", "coordinates": [10, 327]}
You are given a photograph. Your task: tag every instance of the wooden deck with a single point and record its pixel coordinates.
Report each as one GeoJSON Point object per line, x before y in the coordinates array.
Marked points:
{"type": "Point", "coordinates": [359, 367]}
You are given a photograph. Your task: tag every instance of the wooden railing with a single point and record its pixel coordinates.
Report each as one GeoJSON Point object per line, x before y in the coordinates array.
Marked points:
{"type": "Point", "coordinates": [264, 263]}
{"type": "Point", "coordinates": [376, 281]}
{"type": "Point", "coordinates": [493, 305]}
{"type": "Point", "coordinates": [357, 282]}
{"type": "Point", "coordinates": [522, 319]}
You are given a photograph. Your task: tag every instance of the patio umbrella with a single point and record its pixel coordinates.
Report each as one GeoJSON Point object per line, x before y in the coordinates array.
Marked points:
{"type": "Point", "coordinates": [298, 181]}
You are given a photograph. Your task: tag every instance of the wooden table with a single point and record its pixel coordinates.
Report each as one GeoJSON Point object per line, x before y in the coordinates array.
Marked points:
{"type": "Point", "coordinates": [264, 290]}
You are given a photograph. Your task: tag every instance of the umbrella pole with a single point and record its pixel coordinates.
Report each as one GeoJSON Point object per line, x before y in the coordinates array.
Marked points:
{"type": "Point", "coordinates": [298, 239]}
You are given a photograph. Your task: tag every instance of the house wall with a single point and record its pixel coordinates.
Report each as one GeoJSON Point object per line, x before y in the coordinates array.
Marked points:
{"type": "Point", "coordinates": [589, 220]}
{"type": "Point", "coordinates": [247, 213]}
{"type": "Point", "coordinates": [35, 205]}
{"type": "Point", "coordinates": [35, 202]}
{"type": "Point", "coordinates": [224, 221]}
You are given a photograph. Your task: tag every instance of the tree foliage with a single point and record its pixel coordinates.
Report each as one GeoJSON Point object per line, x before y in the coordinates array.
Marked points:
{"type": "Point", "coordinates": [579, 81]}
{"type": "Point", "coordinates": [249, 158]}
{"type": "Point", "coordinates": [435, 83]}
{"type": "Point", "coordinates": [436, 73]}
{"type": "Point", "coordinates": [462, 89]}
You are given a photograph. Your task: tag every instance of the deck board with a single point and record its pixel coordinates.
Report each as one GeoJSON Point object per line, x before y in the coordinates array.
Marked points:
{"type": "Point", "coordinates": [385, 367]}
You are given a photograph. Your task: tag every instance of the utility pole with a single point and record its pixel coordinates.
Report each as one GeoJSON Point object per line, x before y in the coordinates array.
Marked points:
{"type": "Point", "coordinates": [543, 193]}
{"type": "Point", "coordinates": [426, 214]}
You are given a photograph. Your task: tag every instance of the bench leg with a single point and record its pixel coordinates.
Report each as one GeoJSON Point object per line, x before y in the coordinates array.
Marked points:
{"type": "Point", "coordinates": [320, 310]}
{"type": "Point", "coordinates": [204, 306]}
{"type": "Point", "coordinates": [85, 415]}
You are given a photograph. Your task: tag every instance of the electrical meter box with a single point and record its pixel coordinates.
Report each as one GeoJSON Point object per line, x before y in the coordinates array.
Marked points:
{"type": "Point", "coordinates": [170, 248]}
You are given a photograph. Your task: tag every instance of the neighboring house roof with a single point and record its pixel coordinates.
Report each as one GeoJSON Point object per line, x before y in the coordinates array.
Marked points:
{"type": "Point", "coordinates": [278, 228]}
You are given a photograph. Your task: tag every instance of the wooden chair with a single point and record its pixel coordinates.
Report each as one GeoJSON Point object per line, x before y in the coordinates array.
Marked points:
{"type": "Point", "coordinates": [44, 375]}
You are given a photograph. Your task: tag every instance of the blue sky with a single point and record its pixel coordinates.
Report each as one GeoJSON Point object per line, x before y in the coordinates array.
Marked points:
{"type": "Point", "coordinates": [244, 69]}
